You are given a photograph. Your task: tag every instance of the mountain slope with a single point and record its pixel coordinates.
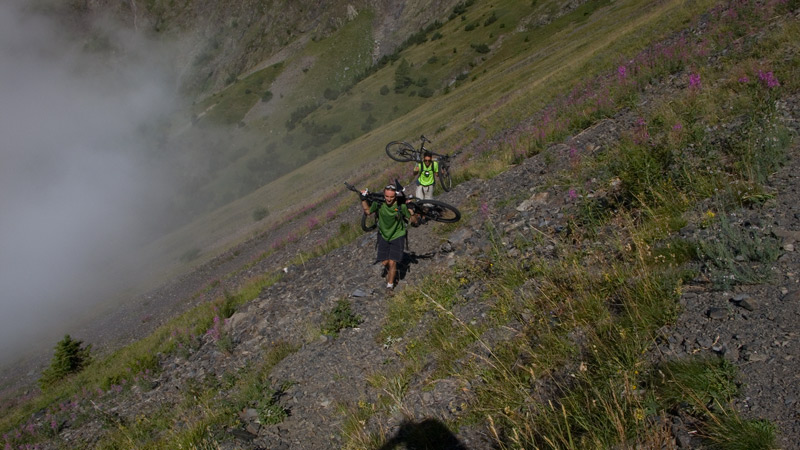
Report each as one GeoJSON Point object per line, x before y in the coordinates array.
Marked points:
{"type": "Point", "coordinates": [538, 319]}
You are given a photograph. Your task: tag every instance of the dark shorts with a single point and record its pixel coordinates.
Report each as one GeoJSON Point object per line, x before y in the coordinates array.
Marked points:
{"type": "Point", "coordinates": [391, 250]}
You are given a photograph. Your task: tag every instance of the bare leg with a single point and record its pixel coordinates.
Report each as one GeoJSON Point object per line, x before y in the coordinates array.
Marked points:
{"type": "Point", "coordinates": [392, 272]}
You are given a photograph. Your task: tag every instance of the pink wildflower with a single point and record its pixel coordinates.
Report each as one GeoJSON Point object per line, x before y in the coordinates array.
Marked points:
{"type": "Point", "coordinates": [573, 194]}
{"type": "Point", "coordinates": [485, 209]}
{"type": "Point", "coordinates": [694, 80]}
{"type": "Point", "coordinates": [768, 78]}
{"type": "Point", "coordinates": [573, 152]}
{"type": "Point", "coordinates": [622, 74]}
{"type": "Point", "coordinates": [744, 79]}
{"type": "Point", "coordinates": [677, 127]}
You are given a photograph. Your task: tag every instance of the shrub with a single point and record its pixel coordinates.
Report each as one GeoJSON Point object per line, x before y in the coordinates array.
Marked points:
{"type": "Point", "coordinates": [70, 357]}
{"type": "Point", "coordinates": [369, 123]}
{"type": "Point", "coordinates": [260, 213]}
{"type": "Point", "coordinates": [402, 76]}
{"type": "Point", "coordinates": [340, 317]}
{"type": "Point", "coordinates": [384, 90]}
{"type": "Point", "coordinates": [480, 48]}
{"type": "Point", "coordinates": [266, 96]}
{"type": "Point", "coordinates": [330, 94]}
{"type": "Point", "coordinates": [728, 255]}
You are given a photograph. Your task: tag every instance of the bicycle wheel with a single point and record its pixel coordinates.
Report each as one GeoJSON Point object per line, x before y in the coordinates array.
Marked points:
{"type": "Point", "coordinates": [444, 178]}
{"type": "Point", "coordinates": [438, 211]}
{"type": "Point", "coordinates": [401, 151]}
{"type": "Point", "coordinates": [369, 222]}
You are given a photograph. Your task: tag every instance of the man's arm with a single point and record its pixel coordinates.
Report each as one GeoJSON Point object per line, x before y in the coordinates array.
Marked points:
{"type": "Point", "coordinates": [413, 217]}
{"type": "Point", "coordinates": [364, 205]}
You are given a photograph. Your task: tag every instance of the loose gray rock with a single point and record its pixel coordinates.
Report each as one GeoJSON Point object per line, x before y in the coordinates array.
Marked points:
{"type": "Point", "coordinates": [717, 313]}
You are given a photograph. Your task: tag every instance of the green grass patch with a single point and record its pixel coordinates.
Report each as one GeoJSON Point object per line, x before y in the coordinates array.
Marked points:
{"type": "Point", "coordinates": [229, 106]}
{"type": "Point", "coordinates": [342, 316]}
{"type": "Point", "coordinates": [735, 255]}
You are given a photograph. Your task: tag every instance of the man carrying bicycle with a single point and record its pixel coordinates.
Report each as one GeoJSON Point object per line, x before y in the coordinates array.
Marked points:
{"type": "Point", "coordinates": [392, 217]}
{"type": "Point", "coordinates": [427, 170]}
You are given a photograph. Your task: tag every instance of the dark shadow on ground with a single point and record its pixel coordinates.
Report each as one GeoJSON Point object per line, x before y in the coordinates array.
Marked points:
{"type": "Point", "coordinates": [408, 259]}
{"type": "Point", "coordinates": [430, 434]}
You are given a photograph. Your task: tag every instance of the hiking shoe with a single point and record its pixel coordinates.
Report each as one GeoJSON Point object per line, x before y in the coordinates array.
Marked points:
{"type": "Point", "coordinates": [389, 286]}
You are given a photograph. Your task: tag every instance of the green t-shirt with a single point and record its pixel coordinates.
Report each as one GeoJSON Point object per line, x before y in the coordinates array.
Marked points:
{"type": "Point", "coordinates": [426, 173]}
{"type": "Point", "coordinates": [390, 219]}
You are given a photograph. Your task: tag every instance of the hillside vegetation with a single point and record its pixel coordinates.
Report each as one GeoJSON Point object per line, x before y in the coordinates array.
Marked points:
{"type": "Point", "coordinates": [607, 153]}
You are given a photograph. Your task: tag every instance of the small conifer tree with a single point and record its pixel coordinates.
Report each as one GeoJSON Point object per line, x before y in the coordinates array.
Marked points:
{"type": "Point", "coordinates": [70, 357]}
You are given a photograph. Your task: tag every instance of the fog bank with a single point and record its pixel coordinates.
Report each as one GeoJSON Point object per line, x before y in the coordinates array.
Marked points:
{"type": "Point", "coordinates": [79, 184]}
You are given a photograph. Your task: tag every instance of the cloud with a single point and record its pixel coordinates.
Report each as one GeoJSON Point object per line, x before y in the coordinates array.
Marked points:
{"type": "Point", "coordinates": [79, 186]}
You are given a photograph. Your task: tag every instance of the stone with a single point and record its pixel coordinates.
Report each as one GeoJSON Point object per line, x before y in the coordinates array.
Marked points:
{"type": "Point", "coordinates": [253, 428]}
{"type": "Point", "coordinates": [744, 301]}
{"type": "Point", "coordinates": [704, 342]}
{"type": "Point", "coordinates": [756, 357]}
{"type": "Point", "coordinates": [717, 313]}
{"type": "Point", "coordinates": [242, 434]}
{"type": "Point", "coordinates": [791, 296]}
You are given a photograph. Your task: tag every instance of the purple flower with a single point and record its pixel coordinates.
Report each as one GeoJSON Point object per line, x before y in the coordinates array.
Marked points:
{"type": "Point", "coordinates": [768, 78]}
{"type": "Point", "coordinates": [694, 80]}
{"type": "Point", "coordinates": [744, 79]}
{"type": "Point", "coordinates": [622, 73]}
{"type": "Point", "coordinates": [485, 209]}
{"type": "Point", "coordinates": [573, 194]}
{"type": "Point", "coordinates": [573, 152]}
{"type": "Point", "coordinates": [677, 127]}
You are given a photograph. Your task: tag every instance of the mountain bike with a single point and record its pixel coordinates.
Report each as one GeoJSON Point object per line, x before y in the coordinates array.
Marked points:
{"type": "Point", "coordinates": [427, 209]}
{"type": "Point", "coordinates": [402, 151]}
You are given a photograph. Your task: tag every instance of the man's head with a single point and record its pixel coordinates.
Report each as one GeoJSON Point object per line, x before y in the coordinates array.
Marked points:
{"type": "Point", "coordinates": [390, 194]}
{"type": "Point", "coordinates": [427, 157]}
